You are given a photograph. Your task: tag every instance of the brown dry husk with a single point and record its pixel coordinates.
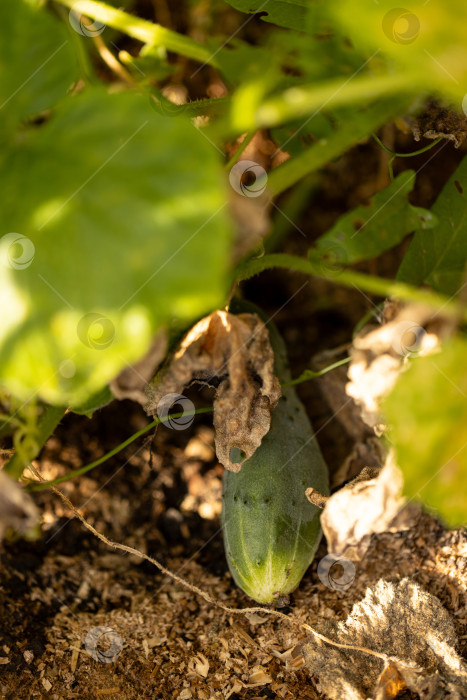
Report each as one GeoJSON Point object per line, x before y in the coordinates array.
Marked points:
{"type": "Point", "coordinates": [405, 624]}
{"type": "Point", "coordinates": [234, 350]}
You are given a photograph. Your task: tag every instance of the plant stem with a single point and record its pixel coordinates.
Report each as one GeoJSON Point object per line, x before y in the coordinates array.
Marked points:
{"type": "Point", "coordinates": [239, 151]}
{"type": "Point", "coordinates": [350, 278]}
{"type": "Point", "coordinates": [310, 374]}
{"type": "Point", "coordinates": [149, 33]}
{"type": "Point", "coordinates": [403, 155]}
{"type": "Point", "coordinates": [50, 418]}
{"type": "Point", "coordinates": [406, 155]}
{"type": "Point", "coordinates": [297, 102]}
{"type": "Point", "coordinates": [373, 313]}
{"type": "Point", "coordinates": [114, 451]}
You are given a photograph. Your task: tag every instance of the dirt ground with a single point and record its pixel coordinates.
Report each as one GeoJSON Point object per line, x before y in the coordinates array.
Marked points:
{"type": "Point", "coordinates": [163, 641]}
{"type": "Point", "coordinates": [81, 620]}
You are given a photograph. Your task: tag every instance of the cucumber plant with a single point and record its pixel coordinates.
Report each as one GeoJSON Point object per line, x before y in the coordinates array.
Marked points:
{"type": "Point", "coordinates": [115, 216]}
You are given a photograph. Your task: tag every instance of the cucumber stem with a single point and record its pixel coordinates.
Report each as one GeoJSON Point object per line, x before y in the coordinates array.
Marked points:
{"type": "Point", "coordinates": [50, 418]}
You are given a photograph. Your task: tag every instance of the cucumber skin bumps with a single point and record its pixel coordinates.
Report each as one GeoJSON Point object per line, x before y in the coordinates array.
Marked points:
{"type": "Point", "coordinates": [271, 530]}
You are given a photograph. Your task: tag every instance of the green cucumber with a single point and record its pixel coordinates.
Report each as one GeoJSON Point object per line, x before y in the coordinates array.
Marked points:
{"type": "Point", "coordinates": [271, 530]}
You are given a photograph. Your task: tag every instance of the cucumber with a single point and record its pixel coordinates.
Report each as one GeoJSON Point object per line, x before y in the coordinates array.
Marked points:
{"type": "Point", "coordinates": [271, 531]}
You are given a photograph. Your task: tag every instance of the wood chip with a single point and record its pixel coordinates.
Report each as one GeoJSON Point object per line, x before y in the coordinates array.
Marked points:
{"type": "Point", "coordinates": [255, 619]}
{"type": "Point", "coordinates": [75, 656]}
{"type": "Point", "coordinates": [200, 665]}
{"type": "Point", "coordinates": [186, 694]}
{"type": "Point", "coordinates": [235, 688]}
{"type": "Point", "coordinates": [259, 677]}
{"type": "Point", "coordinates": [108, 691]}
{"type": "Point", "coordinates": [28, 656]}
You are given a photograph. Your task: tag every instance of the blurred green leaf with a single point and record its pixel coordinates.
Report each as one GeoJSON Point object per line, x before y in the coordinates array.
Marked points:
{"type": "Point", "coordinates": [96, 401]}
{"type": "Point", "coordinates": [438, 257]}
{"type": "Point", "coordinates": [309, 60]}
{"type": "Point", "coordinates": [304, 60]}
{"type": "Point", "coordinates": [426, 38]}
{"type": "Point", "coordinates": [37, 63]}
{"type": "Point", "coordinates": [120, 227]}
{"type": "Point", "coordinates": [285, 13]}
{"type": "Point", "coordinates": [239, 61]}
{"type": "Point", "coordinates": [367, 231]}
{"type": "Point", "coordinates": [427, 413]}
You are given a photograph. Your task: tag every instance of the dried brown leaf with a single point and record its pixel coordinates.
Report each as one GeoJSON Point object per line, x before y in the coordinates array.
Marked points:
{"type": "Point", "coordinates": [390, 683]}
{"type": "Point", "coordinates": [378, 356]}
{"type": "Point", "coordinates": [332, 387]}
{"type": "Point", "coordinates": [233, 350]}
{"type": "Point", "coordinates": [439, 120]}
{"type": "Point", "coordinates": [315, 497]}
{"type": "Point", "coordinates": [413, 632]}
{"type": "Point", "coordinates": [359, 446]}
{"type": "Point", "coordinates": [370, 451]}
{"type": "Point", "coordinates": [364, 506]}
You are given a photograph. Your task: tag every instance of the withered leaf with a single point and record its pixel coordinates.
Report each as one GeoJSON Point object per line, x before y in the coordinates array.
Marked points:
{"type": "Point", "coordinates": [378, 356]}
{"type": "Point", "coordinates": [412, 631]}
{"type": "Point", "coordinates": [235, 351]}
{"type": "Point", "coordinates": [390, 683]}
{"type": "Point", "coordinates": [364, 506]}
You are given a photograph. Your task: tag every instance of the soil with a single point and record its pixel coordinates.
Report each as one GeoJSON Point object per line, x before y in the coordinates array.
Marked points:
{"type": "Point", "coordinates": [162, 496]}
{"type": "Point", "coordinates": [166, 641]}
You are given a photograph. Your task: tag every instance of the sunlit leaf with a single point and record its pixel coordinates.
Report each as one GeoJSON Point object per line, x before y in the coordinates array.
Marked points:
{"type": "Point", "coordinates": [427, 412]}
{"type": "Point", "coordinates": [428, 39]}
{"type": "Point", "coordinates": [115, 224]}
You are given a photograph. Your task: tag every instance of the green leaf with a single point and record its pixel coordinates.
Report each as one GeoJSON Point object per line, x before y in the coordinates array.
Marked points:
{"type": "Point", "coordinates": [438, 257]}
{"type": "Point", "coordinates": [312, 60]}
{"type": "Point", "coordinates": [99, 400]}
{"type": "Point", "coordinates": [367, 231]}
{"type": "Point", "coordinates": [304, 60]}
{"type": "Point", "coordinates": [428, 38]}
{"type": "Point", "coordinates": [427, 413]}
{"type": "Point", "coordinates": [240, 59]}
{"type": "Point", "coordinates": [285, 13]}
{"type": "Point", "coordinates": [125, 218]}
{"type": "Point", "coordinates": [37, 64]}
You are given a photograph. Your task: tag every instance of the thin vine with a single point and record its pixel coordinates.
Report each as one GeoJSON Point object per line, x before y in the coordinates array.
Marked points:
{"type": "Point", "coordinates": [395, 155]}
